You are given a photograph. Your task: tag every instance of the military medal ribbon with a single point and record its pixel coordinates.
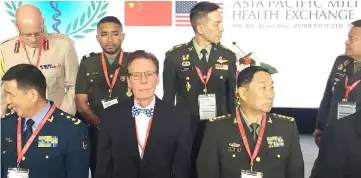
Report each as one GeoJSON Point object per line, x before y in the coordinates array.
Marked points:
{"type": "Point", "coordinates": [105, 70]}
{"type": "Point", "coordinates": [205, 82]}
{"type": "Point", "coordinates": [22, 151]}
{"type": "Point", "coordinates": [39, 52]}
{"type": "Point", "coordinates": [348, 87]}
{"type": "Point", "coordinates": [244, 137]}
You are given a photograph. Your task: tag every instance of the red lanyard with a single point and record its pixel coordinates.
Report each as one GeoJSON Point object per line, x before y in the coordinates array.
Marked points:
{"type": "Point", "coordinates": [142, 146]}
{"type": "Point", "coordinates": [207, 77]}
{"type": "Point", "coordinates": [39, 52]}
{"type": "Point", "coordinates": [244, 137]}
{"type": "Point", "coordinates": [105, 69]}
{"type": "Point", "coordinates": [348, 87]}
{"type": "Point", "coordinates": [22, 151]}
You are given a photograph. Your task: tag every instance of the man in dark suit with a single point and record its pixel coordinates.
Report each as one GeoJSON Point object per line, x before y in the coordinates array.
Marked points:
{"type": "Point", "coordinates": [229, 140]}
{"type": "Point", "coordinates": [201, 75]}
{"type": "Point", "coordinates": [57, 142]}
{"type": "Point", "coordinates": [342, 99]}
{"type": "Point", "coordinates": [339, 155]}
{"type": "Point", "coordinates": [125, 149]}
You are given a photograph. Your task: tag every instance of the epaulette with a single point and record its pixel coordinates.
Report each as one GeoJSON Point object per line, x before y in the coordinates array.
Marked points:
{"type": "Point", "coordinates": [292, 119]}
{"type": "Point", "coordinates": [219, 118]}
{"type": "Point", "coordinates": [7, 115]}
{"type": "Point", "coordinates": [57, 35]}
{"type": "Point", "coordinates": [176, 47]}
{"type": "Point", "coordinates": [89, 55]}
{"type": "Point", "coordinates": [9, 39]}
{"type": "Point", "coordinates": [73, 119]}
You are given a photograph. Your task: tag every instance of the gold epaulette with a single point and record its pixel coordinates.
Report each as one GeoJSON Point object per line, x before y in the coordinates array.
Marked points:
{"type": "Point", "coordinates": [176, 47]}
{"type": "Point", "coordinates": [75, 120]}
{"type": "Point", "coordinates": [7, 115]}
{"type": "Point", "coordinates": [219, 118]}
{"type": "Point", "coordinates": [292, 119]}
{"type": "Point", "coordinates": [9, 39]}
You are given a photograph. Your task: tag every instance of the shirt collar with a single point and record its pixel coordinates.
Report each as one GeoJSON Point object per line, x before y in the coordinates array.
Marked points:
{"type": "Point", "coordinates": [151, 105]}
{"type": "Point", "coordinates": [247, 121]}
{"type": "Point", "coordinates": [37, 119]}
{"type": "Point", "coordinates": [198, 48]}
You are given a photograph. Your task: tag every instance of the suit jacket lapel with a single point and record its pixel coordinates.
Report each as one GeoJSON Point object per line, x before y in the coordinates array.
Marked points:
{"type": "Point", "coordinates": [156, 126]}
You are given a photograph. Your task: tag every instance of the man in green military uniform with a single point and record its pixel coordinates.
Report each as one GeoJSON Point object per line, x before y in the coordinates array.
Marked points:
{"type": "Point", "coordinates": [102, 79]}
{"type": "Point", "coordinates": [251, 142]}
{"type": "Point", "coordinates": [201, 75]}
{"type": "Point", "coordinates": [38, 137]}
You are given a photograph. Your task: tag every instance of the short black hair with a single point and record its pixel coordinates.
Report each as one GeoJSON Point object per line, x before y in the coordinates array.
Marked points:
{"type": "Point", "coordinates": [356, 23]}
{"type": "Point", "coordinates": [143, 54]}
{"type": "Point", "coordinates": [200, 11]}
{"type": "Point", "coordinates": [245, 77]}
{"type": "Point", "coordinates": [110, 19]}
{"type": "Point", "coordinates": [27, 77]}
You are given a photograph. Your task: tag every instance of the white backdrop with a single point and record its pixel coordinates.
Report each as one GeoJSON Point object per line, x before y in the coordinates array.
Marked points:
{"type": "Point", "coordinates": [301, 51]}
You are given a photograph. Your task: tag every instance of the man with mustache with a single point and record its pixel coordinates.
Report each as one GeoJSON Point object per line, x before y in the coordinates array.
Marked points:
{"type": "Point", "coordinates": [252, 142]}
{"type": "Point", "coordinates": [53, 53]}
{"type": "Point", "coordinates": [101, 81]}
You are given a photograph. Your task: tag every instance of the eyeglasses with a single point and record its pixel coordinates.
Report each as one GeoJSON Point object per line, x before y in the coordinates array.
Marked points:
{"type": "Point", "coordinates": [138, 75]}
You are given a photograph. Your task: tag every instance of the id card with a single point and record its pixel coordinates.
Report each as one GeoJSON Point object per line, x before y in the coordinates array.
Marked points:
{"type": "Point", "coordinates": [251, 174]}
{"type": "Point", "coordinates": [207, 106]}
{"type": "Point", "coordinates": [345, 108]}
{"type": "Point", "coordinates": [109, 102]}
{"type": "Point", "coordinates": [18, 173]}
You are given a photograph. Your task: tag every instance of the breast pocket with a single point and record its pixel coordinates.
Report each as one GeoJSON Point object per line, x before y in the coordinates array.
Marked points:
{"type": "Point", "coordinates": [53, 77]}
{"type": "Point", "coordinates": [94, 90]}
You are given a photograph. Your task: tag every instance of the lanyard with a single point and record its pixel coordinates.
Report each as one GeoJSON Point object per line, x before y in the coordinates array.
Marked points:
{"type": "Point", "coordinates": [349, 88]}
{"type": "Point", "coordinates": [22, 151]}
{"type": "Point", "coordinates": [105, 69]}
{"type": "Point", "coordinates": [39, 52]}
{"type": "Point", "coordinates": [244, 137]}
{"type": "Point", "coordinates": [142, 146]}
{"type": "Point", "coordinates": [207, 77]}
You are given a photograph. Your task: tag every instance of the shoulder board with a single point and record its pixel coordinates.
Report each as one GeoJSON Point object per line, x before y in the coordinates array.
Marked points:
{"type": "Point", "coordinates": [6, 115]}
{"type": "Point", "coordinates": [89, 55]}
{"type": "Point", "coordinates": [57, 36]}
{"type": "Point", "coordinates": [9, 39]}
{"type": "Point", "coordinates": [219, 118]}
{"type": "Point", "coordinates": [70, 118]}
{"type": "Point", "coordinates": [292, 119]}
{"type": "Point", "coordinates": [176, 47]}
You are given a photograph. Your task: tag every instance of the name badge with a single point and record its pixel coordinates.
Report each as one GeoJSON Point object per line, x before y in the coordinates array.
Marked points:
{"type": "Point", "coordinates": [345, 109]}
{"type": "Point", "coordinates": [251, 174]}
{"type": "Point", "coordinates": [18, 173]}
{"type": "Point", "coordinates": [109, 102]}
{"type": "Point", "coordinates": [207, 106]}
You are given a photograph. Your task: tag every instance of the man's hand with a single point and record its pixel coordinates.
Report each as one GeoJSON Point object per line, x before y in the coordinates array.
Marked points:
{"type": "Point", "coordinates": [317, 133]}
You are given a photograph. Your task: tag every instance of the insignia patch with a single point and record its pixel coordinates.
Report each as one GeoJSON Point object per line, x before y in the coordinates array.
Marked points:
{"type": "Point", "coordinates": [50, 66]}
{"type": "Point", "coordinates": [269, 120]}
{"type": "Point", "coordinates": [234, 147]}
{"type": "Point", "coordinates": [346, 62]}
{"type": "Point", "coordinates": [47, 141]}
{"type": "Point", "coordinates": [84, 142]}
{"type": "Point", "coordinates": [221, 60]}
{"type": "Point", "coordinates": [285, 117]}
{"type": "Point", "coordinates": [275, 142]}
{"type": "Point", "coordinates": [340, 67]}
{"type": "Point", "coordinates": [221, 66]}
{"type": "Point", "coordinates": [185, 57]}
{"type": "Point", "coordinates": [219, 118]}
{"type": "Point", "coordinates": [122, 78]}
{"type": "Point", "coordinates": [186, 63]}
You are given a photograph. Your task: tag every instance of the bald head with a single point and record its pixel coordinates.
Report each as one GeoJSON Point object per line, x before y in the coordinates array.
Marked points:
{"type": "Point", "coordinates": [30, 23]}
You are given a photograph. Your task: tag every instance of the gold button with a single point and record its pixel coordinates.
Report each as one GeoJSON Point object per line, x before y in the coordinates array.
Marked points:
{"type": "Point", "coordinates": [46, 156]}
{"type": "Point", "coordinates": [278, 156]}
{"type": "Point", "coordinates": [91, 80]}
{"type": "Point", "coordinates": [68, 117]}
{"type": "Point", "coordinates": [221, 77]}
{"type": "Point", "coordinates": [111, 75]}
{"type": "Point", "coordinates": [87, 74]}
{"type": "Point", "coordinates": [204, 77]}
{"type": "Point", "coordinates": [61, 113]}
{"type": "Point", "coordinates": [23, 158]}
{"type": "Point", "coordinates": [233, 155]}
{"type": "Point", "coordinates": [258, 159]}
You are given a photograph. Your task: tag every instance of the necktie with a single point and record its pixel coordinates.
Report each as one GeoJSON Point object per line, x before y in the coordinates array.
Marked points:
{"type": "Point", "coordinates": [136, 111]}
{"type": "Point", "coordinates": [204, 56]}
{"type": "Point", "coordinates": [29, 130]}
{"type": "Point", "coordinates": [254, 127]}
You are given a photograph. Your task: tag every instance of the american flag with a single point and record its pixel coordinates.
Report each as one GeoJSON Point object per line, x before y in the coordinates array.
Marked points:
{"type": "Point", "coordinates": [182, 10]}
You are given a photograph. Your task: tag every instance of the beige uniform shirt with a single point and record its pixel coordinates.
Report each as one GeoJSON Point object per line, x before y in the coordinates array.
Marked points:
{"type": "Point", "coordinates": [59, 65]}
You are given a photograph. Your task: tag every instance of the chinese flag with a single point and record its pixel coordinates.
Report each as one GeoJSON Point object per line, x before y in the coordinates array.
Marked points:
{"type": "Point", "coordinates": [148, 13]}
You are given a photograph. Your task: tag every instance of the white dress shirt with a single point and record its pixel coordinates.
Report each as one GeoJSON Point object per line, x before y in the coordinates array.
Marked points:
{"type": "Point", "coordinates": [142, 121]}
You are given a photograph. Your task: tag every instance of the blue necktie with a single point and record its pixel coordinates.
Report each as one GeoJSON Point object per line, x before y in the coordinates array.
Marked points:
{"type": "Point", "coordinates": [136, 111]}
{"type": "Point", "coordinates": [29, 130]}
